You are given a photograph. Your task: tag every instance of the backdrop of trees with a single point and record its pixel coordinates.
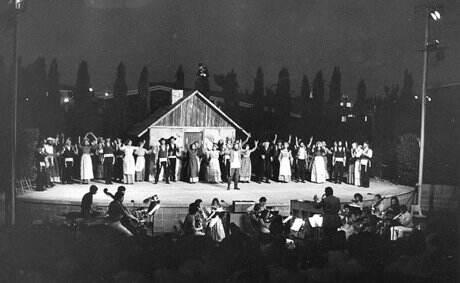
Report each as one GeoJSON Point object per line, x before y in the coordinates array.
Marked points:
{"type": "Point", "coordinates": [388, 120]}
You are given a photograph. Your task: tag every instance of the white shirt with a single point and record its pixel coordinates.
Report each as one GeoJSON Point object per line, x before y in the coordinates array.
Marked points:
{"type": "Point", "coordinates": [236, 161]}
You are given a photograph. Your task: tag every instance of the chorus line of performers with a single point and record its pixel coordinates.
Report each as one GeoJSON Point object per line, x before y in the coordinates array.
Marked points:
{"type": "Point", "coordinates": [60, 160]}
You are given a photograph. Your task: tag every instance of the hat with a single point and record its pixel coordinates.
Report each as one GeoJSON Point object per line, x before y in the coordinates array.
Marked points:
{"type": "Point", "coordinates": [172, 138]}
{"type": "Point", "coordinates": [160, 140]}
{"type": "Point", "coordinates": [50, 139]}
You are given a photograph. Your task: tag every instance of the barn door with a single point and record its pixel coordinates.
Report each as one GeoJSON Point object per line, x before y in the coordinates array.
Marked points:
{"type": "Point", "coordinates": [191, 137]}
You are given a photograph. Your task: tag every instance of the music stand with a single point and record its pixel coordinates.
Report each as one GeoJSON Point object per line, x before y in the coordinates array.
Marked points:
{"type": "Point", "coordinates": [316, 222]}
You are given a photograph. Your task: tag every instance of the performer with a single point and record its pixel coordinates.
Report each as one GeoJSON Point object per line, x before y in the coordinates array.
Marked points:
{"type": "Point", "coordinates": [358, 153]}
{"type": "Point", "coordinates": [140, 152]}
{"type": "Point", "coordinates": [118, 166]}
{"type": "Point", "coordinates": [129, 166]}
{"type": "Point", "coordinates": [365, 158]}
{"type": "Point", "coordinates": [351, 163]}
{"type": "Point", "coordinates": [162, 161]}
{"type": "Point", "coordinates": [99, 160]}
{"type": "Point", "coordinates": [319, 173]}
{"type": "Point", "coordinates": [339, 159]}
{"type": "Point", "coordinates": [214, 174]}
{"type": "Point", "coordinates": [264, 160]}
{"type": "Point", "coordinates": [87, 209]}
{"type": "Point", "coordinates": [301, 160]}
{"type": "Point", "coordinates": [173, 153]}
{"type": "Point", "coordinates": [225, 160]}
{"type": "Point", "coordinates": [108, 160]}
{"type": "Point", "coordinates": [278, 145]}
{"type": "Point", "coordinates": [119, 216]}
{"type": "Point", "coordinates": [192, 227]}
{"type": "Point", "coordinates": [50, 160]}
{"type": "Point", "coordinates": [235, 166]}
{"type": "Point", "coordinates": [43, 180]}
{"type": "Point", "coordinates": [68, 154]}
{"type": "Point", "coordinates": [192, 163]}
{"type": "Point", "coordinates": [285, 160]}
{"type": "Point", "coordinates": [86, 164]}
{"type": "Point", "coordinates": [331, 207]}
{"type": "Point", "coordinates": [246, 167]}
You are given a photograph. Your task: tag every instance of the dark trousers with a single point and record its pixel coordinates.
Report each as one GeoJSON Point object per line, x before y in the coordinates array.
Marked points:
{"type": "Point", "coordinates": [338, 172]}
{"type": "Point", "coordinates": [364, 176]}
{"type": "Point", "coordinates": [234, 175]}
{"type": "Point", "coordinates": [172, 169]}
{"type": "Point", "coordinates": [164, 165]}
{"type": "Point", "coordinates": [67, 172]}
{"type": "Point", "coordinates": [301, 171]}
{"type": "Point", "coordinates": [276, 169]}
{"type": "Point", "coordinates": [108, 169]}
{"type": "Point", "coordinates": [225, 169]}
{"type": "Point", "coordinates": [264, 170]}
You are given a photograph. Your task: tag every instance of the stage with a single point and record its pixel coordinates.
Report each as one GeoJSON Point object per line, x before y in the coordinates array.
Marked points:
{"type": "Point", "coordinates": [33, 206]}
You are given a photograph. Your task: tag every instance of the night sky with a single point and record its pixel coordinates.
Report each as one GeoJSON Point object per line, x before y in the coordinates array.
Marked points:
{"type": "Point", "coordinates": [370, 39]}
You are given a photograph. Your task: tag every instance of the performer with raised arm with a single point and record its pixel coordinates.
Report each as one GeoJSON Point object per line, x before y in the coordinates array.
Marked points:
{"type": "Point", "coordinates": [86, 164]}
{"type": "Point", "coordinates": [301, 160]}
{"type": "Point", "coordinates": [285, 159]}
{"type": "Point", "coordinates": [129, 165]}
{"type": "Point", "coordinates": [140, 152]}
{"type": "Point", "coordinates": [235, 166]}
{"type": "Point", "coordinates": [365, 159]}
{"type": "Point", "coordinates": [246, 166]}
{"type": "Point", "coordinates": [68, 154]}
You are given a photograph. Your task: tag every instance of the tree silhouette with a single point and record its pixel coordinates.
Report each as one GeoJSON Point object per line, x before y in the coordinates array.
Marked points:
{"type": "Point", "coordinates": [229, 85]}
{"type": "Point", "coordinates": [84, 111]}
{"type": "Point", "coordinates": [318, 104]}
{"type": "Point", "coordinates": [283, 95]}
{"type": "Point", "coordinates": [120, 89]}
{"type": "Point", "coordinates": [180, 78]}
{"type": "Point", "coordinates": [259, 101]}
{"type": "Point", "coordinates": [335, 87]}
{"type": "Point", "coordinates": [144, 94]}
{"type": "Point", "coordinates": [305, 91]}
{"type": "Point", "coordinates": [56, 114]}
{"type": "Point", "coordinates": [408, 106]}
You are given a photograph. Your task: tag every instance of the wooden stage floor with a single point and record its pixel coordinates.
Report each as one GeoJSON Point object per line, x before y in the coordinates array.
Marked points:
{"type": "Point", "coordinates": [181, 194]}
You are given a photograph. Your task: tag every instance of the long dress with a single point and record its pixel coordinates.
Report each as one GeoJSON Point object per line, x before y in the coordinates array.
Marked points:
{"type": "Point", "coordinates": [86, 164]}
{"type": "Point", "coordinates": [129, 166]}
{"type": "Point", "coordinates": [351, 168]}
{"type": "Point", "coordinates": [214, 175]}
{"type": "Point", "coordinates": [99, 164]}
{"type": "Point", "coordinates": [215, 228]}
{"type": "Point", "coordinates": [140, 163]}
{"type": "Point", "coordinates": [285, 166]}
{"type": "Point", "coordinates": [358, 167]}
{"type": "Point", "coordinates": [318, 171]}
{"type": "Point", "coordinates": [246, 168]}
{"type": "Point", "coordinates": [192, 165]}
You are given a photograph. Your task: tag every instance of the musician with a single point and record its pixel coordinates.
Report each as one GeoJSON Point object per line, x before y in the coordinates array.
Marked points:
{"type": "Point", "coordinates": [173, 153]}
{"type": "Point", "coordinates": [191, 226]}
{"type": "Point", "coordinates": [339, 159]}
{"type": "Point", "coordinates": [262, 205]}
{"type": "Point", "coordinates": [394, 208]}
{"type": "Point", "coordinates": [378, 206]}
{"type": "Point", "coordinates": [153, 203]}
{"type": "Point", "coordinates": [331, 207]}
{"type": "Point", "coordinates": [365, 160]}
{"type": "Point", "coordinates": [358, 200]}
{"type": "Point", "coordinates": [404, 218]}
{"type": "Point", "coordinates": [119, 215]}
{"type": "Point", "coordinates": [109, 161]}
{"type": "Point", "coordinates": [215, 227]}
{"type": "Point", "coordinates": [162, 161]}
{"type": "Point", "coordinates": [87, 209]}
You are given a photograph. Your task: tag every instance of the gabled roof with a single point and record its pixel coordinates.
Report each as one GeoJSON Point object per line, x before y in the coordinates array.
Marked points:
{"type": "Point", "coordinates": [141, 128]}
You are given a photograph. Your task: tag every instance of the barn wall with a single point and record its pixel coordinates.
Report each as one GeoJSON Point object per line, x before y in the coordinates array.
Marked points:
{"type": "Point", "coordinates": [210, 134]}
{"type": "Point", "coordinates": [194, 112]}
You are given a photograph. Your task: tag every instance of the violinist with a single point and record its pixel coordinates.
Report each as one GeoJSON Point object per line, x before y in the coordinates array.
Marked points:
{"type": "Point", "coordinates": [215, 227]}
{"type": "Point", "coordinates": [378, 206]}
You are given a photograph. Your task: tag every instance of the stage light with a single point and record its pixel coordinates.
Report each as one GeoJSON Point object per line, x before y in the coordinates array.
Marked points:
{"type": "Point", "coordinates": [66, 100]}
{"type": "Point", "coordinates": [90, 89]}
{"type": "Point", "coordinates": [341, 104]}
{"type": "Point", "coordinates": [428, 98]}
{"type": "Point", "coordinates": [415, 97]}
{"type": "Point", "coordinates": [349, 104]}
{"type": "Point", "coordinates": [106, 94]}
{"type": "Point", "coordinates": [435, 15]}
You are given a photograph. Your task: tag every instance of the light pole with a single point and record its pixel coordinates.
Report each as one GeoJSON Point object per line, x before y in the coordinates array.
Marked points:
{"type": "Point", "coordinates": [431, 14]}
{"type": "Point", "coordinates": [16, 7]}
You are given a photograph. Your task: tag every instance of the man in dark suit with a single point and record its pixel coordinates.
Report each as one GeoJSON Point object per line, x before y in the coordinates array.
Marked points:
{"type": "Point", "coordinates": [264, 163]}
{"type": "Point", "coordinates": [331, 207]}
